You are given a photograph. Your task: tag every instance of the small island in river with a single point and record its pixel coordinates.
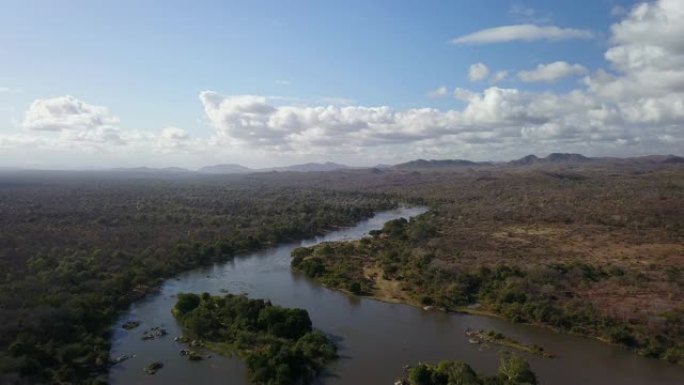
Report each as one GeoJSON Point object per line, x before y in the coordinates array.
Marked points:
{"type": "Point", "coordinates": [278, 344]}
{"type": "Point", "coordinates": [478, 336]}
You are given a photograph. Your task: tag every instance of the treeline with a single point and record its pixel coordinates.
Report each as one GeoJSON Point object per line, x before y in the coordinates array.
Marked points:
{"type": "Point", "coordinates": [513, 370]}
{"type": "Point", "coordinates": [543, 294]}
{"type": "Point", "coordinates": [278, 344]}
{"type": "Point", "coordinates": [74, 254]}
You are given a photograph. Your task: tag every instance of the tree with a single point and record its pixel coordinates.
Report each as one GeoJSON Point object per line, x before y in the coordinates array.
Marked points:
{"type": "Point", "coordinates": [186, 303]}
{"type": "Point", "coordinates": [513, 370]}
{"type": "Point", "coordinates": [420, 374]}
{"type": "Point", "coordinates": [458, 373]}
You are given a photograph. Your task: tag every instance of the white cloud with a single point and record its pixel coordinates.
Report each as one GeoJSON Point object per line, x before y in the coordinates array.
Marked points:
{"type": "Point", "coordinates": [174, 133]}
{"type": "Point", "coordinates": [66, 113]}
{"type": "Point", "coordinates": [635, 106]}
{"type": "Point", "coordinates": [477, 72]}
{"type": "Point", "coordinates": [522, 32]}
{"type": "Point", "coordinates": [463, 94]}
{"type": "Point", "coordinates": [647, 56]}
{"type": "Point", "coordinates": [552, 72]}
{"type": "Point", "coordinates": [438, 92]}
{"type": "Point", "coordinates": [493, 116]}
{"type": "Point", "coordinates": [498, 77]}
{"type": "Point", "coordinates": [71, 128]}
{"type": "Point", "coordinates": [252, 120]}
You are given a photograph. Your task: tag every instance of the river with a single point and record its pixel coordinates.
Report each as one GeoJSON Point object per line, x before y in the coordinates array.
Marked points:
{"type": "Point", "coordinates": [375, 339]}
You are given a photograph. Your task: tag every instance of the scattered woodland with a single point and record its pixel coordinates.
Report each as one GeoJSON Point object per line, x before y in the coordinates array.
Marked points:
{"type": "Point", "coordinates": [77, 250]}
{"type": "Point", "coordinates": [595, 249]}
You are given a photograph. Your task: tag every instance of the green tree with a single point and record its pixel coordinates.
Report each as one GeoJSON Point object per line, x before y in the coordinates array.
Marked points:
{"type": "Point", "coordinates": [186, 303]}
{"type": "Point", "coordinates": [513, 370]}
{"type": "Point", "coordinates": [420, 374]}
{"type": "Point", "coordinates": [458, 373]}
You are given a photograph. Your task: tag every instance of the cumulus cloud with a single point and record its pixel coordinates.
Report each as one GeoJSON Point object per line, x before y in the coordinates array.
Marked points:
{"type": "Point", "coordinates": [438, 92]}
{"type": "Point", "coordinates": [522, 32]}
{"type": "Point", "coordinates": [74, 127]}
{"type": "Point", "coordinates": [498, 77]}
{"type": "Point", "coordinates": [254, 120]}
{"type": "Point", "coordinates": [495, 115]}
{"type": "Point", "coordinates": [552, 72]}
{"type": "Point", "coordinates": [634, 105]}
{"type": "Point", "coordinates": [66, 113]}
{"type": "Point", "coordinates": [73, 120]}
{"type": "Point", "coordinates": [477, 72]}
{"type": "Point", "coordinates": [174, 133]}
{"type": "Point", "coordinates": [647, 54]}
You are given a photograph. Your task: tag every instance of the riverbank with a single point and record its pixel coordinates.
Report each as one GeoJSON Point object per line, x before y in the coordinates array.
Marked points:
{"type": "Point", "coordinates": [399, 265]}
{"type": "Point", "coordinates": [375, 339]}
{"type": "Point", "coordinates": [390, 291]}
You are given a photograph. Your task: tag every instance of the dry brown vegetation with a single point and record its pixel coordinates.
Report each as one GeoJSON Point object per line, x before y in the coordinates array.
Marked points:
{"type": "Point", "coordinates": [617, 232]}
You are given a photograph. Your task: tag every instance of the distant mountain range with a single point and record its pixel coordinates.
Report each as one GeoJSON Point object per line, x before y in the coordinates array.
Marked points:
{"type": "Point", "coordinates": [551, 159]}
{"type": "Point", "coordinates": [151, 170]}
{"type": "Point", "coordinates": [524, 161]}
{"type": "Point", "coordinates": [445, 163]}
{"type": "Point", "coordinates": [229, 168]}
{"type": "Point", "coordinates": [563, 158]}
{"type": "Point", "coordinates": [238, 169]}
{"type": "Point", "coordinates": [232, 168]}
{"type": "Point", "coordinates": [559, 159]}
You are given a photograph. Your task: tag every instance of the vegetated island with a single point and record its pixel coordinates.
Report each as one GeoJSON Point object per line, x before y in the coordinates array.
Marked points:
{"type": "Point", "coordinates": [484, 337]}
{"type": "Point", "coordinates": [278, 344]}
{"type": "Point", "coordinates": [513, 370]}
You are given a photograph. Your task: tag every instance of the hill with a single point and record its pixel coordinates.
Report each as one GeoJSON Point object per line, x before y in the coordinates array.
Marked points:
{"type": "Point", "coordinates": [229, 168]}
{"type": "Point", "coordinates": [443, 163]}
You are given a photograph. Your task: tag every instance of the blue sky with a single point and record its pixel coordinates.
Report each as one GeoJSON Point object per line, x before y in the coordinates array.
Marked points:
{"type": "Point", "coordinates": [145, 63]}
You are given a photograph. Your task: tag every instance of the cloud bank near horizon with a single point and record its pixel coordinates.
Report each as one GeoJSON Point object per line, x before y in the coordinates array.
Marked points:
{"type": "Point", "coordinates": [635, 105]}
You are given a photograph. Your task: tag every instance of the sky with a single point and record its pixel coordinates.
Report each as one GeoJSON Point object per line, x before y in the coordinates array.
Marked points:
{"type": "Point", "coordinates": [129, 83]}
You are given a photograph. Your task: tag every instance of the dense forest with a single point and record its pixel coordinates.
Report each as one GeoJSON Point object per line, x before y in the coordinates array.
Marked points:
{"type": "Point", "coordinates": [76, 250]}
{"type": "Point", "coordinates": [279, 344]}
{"type": "Point", "coordinates": [595, 251]}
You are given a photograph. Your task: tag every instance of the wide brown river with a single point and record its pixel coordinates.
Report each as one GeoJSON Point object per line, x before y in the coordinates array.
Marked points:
{"type": "Point", "coordinates": [375, 339]}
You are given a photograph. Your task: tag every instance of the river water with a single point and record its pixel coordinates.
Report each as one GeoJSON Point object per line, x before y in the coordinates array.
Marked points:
{"type": "Point", "coordinates": [375, 339]}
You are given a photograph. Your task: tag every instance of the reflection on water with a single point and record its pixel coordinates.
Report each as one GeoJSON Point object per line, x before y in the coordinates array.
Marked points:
{"type": "Point", "coordinates": [375, 339]}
